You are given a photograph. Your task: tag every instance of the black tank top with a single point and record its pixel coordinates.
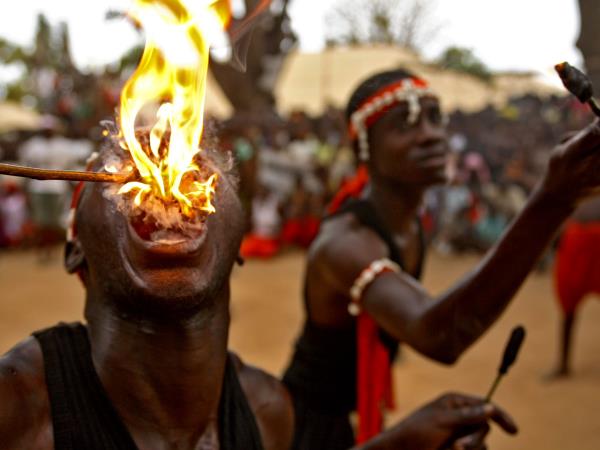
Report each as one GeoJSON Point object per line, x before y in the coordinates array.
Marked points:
{"type": "Point", "coordinates": [322, 372]}
{"type": "Point", "coordinates": [83, 416]}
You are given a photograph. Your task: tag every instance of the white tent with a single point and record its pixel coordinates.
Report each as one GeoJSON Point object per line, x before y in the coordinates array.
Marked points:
{"type": "Point", "coordinates": [311, 81]}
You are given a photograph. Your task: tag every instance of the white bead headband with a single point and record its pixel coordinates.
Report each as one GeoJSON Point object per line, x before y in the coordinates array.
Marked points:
{"type": "Point", "coordinates": [409, 90]}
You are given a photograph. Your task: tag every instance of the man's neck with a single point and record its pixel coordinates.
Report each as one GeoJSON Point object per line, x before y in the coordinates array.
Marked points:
{"type": "Point", "coordinates": [161, 378]}
{"type": "Point", "coordinates": [396, 205]}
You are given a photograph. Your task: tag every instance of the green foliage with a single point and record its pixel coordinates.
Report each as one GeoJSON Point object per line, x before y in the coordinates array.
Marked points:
{"type": "Point", "coordinates": [464, 60]}
{"type": "Point", "coordinates": [15, 92]}
{"type": "Point", "coordinates": [9, 53]}
{"type": "Point", "coordinates": [51, 48]}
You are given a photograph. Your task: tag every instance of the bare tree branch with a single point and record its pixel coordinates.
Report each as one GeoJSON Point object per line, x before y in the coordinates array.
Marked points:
{"type": "Point", "coordinates": [272, 38]}
{"type": "Point", "coordinates": [403, 22]}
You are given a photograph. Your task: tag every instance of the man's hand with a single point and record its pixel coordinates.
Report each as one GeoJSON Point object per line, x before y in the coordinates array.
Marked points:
{"type": "Point", "coordinates": [453, 421]}
{"type": "Point", "coordinates": [574, 167]}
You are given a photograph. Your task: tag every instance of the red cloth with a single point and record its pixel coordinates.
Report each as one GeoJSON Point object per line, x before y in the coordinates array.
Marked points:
{"type": "Point", "coordinates": [374, 379]}
{"type": "Point", "coordinates": [577, 268]}
{"type": "Point", "coordinates": [254, 246]}
{"type": "Point", "coordinates": [300, 231]}
{"type": "Point", "coordinates": [351, 188]}
{"type": "Point", "coordinates": [290, 231]}
{"type": "Point", "coordinates": [475, 209]}
{"type": "Point", "coordinates": [373, 369]}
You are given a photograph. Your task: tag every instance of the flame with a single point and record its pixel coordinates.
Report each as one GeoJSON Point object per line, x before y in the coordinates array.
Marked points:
{"type": "Point", "coordinates": [172, 72]}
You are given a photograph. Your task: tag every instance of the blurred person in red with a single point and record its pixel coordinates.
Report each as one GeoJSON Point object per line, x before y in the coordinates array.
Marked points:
{"type": "Point", "coordinates": [263, 240]}
{"type": "Point", "coordinates": [13, 214]}
{"type": "Point", "coordinates": [576, 274]}
{"type": "Point", "coordinates": [302, 214]}
{"type": "Point", "coordinates": [48, 198]}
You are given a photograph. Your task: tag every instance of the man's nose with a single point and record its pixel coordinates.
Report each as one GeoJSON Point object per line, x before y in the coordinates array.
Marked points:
{"type": "Point", "coordinates": [430, 133]}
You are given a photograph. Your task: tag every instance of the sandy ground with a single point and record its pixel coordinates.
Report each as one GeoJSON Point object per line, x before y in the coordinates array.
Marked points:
{"type": "Point", "coordinates": [266, 314]}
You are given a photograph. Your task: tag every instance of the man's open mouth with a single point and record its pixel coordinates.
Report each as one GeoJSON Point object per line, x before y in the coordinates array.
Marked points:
{"type": "Point", "coordinates": [152, 236]}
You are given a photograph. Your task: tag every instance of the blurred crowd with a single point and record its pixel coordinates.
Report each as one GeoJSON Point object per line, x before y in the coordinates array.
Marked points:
{"type": "Point", "coordinates": [498, 157]}
{"type": "Point", "coordinates": [290, 168]}
{"type": "Point", "coordinates": [34, 213]}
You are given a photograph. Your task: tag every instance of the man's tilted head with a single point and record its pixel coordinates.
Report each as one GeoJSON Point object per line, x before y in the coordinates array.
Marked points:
{"type": "Point", "coordinates": [398, 129]}
{"type": "Point", "coordinates": [136, 264]}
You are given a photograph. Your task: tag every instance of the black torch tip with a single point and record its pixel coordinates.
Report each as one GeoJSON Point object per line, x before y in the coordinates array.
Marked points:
{"type": "Point", "coordinates": [512, 349]}
{"type": "Point", "coordinates": [576, 82]}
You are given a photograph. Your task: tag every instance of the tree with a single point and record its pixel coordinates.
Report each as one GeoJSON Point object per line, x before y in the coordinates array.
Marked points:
{"type": "Point", "coordinates": [51, 79]}
{"type": "Point", "coordinates": [464, 60]}
{"type": "Point", "coordinates": [589, 39]}
{"type": "Point", "coordinates": [264, 49]}
{"type": "Point", "coordinates": [402, 22]}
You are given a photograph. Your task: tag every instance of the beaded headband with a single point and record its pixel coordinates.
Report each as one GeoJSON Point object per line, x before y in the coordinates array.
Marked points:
{"type": "Point", "coordinates": [371, 110]}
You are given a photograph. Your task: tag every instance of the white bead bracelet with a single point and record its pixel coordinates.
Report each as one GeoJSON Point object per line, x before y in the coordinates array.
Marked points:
{"type": "Point", "coordinates": [366, 277]}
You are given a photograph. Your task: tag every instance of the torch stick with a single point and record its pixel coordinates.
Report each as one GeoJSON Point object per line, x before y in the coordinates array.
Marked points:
{"type": "Point", "coordinates": [68, 175]}
{"type": "Point", "coordinates": [578, 84]}
{"type": "Point", "coordinates": [510, 355]}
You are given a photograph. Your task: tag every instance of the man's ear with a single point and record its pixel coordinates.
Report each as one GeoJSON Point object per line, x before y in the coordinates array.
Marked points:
{"type": "Point", "coordinates": [74, 256]}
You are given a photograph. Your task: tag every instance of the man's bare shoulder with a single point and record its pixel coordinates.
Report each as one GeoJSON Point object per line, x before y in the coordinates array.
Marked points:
{"type": "Point", "coordinates": [24, 406]}
{"type": "Point", "coordinates": [343, 248]}
{"type": "Point", "coordinates": [270, 403]}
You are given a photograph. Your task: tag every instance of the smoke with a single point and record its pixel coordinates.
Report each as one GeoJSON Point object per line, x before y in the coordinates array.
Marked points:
{"type": "Point", "coordinates": [240, 34]}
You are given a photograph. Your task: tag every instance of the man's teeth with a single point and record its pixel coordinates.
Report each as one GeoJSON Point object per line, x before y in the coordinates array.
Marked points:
{"type": "Point", "coordinates": [169, 237]}
{"type": "Point", "coordinates": [169, 241]}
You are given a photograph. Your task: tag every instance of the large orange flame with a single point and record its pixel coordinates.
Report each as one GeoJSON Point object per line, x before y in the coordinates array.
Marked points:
{"type": "Point", "coordinates": [172, 73]}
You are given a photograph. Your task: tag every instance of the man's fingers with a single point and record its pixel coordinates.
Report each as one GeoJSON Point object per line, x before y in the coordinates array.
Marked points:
{"type": "Point", "coordinates": [479, 414]}
{"type": "Point", "coordinates": [455, 400]}
{"type": "Point", "coordinates": [501, 417]}
{"type": "Point", "coordinates": [587, 140]}
{"type": "Point", "coordinates": [473, 441]}
{"type": "Point", "coordinates": [471, 415]}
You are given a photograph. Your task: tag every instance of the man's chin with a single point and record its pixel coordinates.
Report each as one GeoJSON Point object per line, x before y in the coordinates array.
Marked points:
{"type": "Point", "coordinates": [177, 290]}
{"type": "Point", "coordinates": [169, 281]}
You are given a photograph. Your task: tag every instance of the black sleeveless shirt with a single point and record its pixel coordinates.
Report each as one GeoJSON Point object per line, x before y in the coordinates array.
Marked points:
{"type": "Point", "coordinates": [322, 372]}
{"type": "Point", "coordinates": [83, 416]}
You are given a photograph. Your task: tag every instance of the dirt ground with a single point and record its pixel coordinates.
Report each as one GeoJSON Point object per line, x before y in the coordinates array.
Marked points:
{"type": "Point", "coordinates": [266, 314]}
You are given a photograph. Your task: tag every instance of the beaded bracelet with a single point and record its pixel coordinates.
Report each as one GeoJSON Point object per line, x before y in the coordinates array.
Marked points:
{"type": "Point", "coordinates": [366, 277]}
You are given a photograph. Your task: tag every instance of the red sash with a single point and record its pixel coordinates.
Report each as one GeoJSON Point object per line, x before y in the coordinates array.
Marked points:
{"type": "Point", "coordinates": [373, 371]}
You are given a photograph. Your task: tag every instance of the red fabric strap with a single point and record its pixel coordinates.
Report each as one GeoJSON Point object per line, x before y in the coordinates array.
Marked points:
{"type": "Point", "coordinates": [351, 188]}
{"type": "Point", "coordinates": [374, 380]}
